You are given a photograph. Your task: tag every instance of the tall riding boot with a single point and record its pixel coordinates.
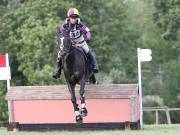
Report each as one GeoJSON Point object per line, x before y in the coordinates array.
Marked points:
{"type": "Point", "coordinates": [93, 62]}
{"type": "Point", "coordinates": [57, 74]}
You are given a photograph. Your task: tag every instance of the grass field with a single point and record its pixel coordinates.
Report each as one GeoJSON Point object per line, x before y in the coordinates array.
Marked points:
{"type": "Point", "coordinates": [148, 130]}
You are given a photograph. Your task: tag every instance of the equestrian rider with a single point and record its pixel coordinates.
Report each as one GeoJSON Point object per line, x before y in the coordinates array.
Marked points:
{"type": "Point", "coordinates": [74, 24]}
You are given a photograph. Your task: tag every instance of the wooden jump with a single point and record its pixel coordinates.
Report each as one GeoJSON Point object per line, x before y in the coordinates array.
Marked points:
{"type": "Point", "coordinates": [110, 106]}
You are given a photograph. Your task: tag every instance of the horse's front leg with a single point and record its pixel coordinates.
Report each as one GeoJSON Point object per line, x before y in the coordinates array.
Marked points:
{"type": "Point", "coordinates": [84, 111]}
{"type": "Point", "coordinates": [74, 102]}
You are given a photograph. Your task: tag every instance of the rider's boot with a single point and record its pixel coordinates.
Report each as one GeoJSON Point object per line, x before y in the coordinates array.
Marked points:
{"type": "Point", "coordinates": [93, 61]}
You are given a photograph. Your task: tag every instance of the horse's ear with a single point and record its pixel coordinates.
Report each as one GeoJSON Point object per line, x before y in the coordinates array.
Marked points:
{"type": "Point", "coordinates": [78, 20]}
{"type": "Point", "coordinates": [67, 20]}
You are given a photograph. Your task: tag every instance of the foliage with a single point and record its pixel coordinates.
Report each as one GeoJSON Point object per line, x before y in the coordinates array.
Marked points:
{"type": "Point", "coordinates": [167, 17]}
{"type": "Point", "coordinates": [3, 104]}
{"type": "Point", "coordinates": [172, 86]}
{"type": "Point", "coordinates": [31, 37]}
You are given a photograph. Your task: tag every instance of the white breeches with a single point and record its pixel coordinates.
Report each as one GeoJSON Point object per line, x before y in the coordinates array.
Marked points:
{"type": "Point", "coordinates": [80, 42]}
{"type": "Point", "coordinates": [85, 47]}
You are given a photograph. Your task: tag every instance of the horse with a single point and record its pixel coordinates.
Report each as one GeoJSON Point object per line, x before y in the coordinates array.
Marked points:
{"type": "Point", "coordinates": [74, 65]}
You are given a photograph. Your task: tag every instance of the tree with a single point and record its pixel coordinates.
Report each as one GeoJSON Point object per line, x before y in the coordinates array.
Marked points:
{"type": "Point", "coordinates": [3, 104]}
{"type": "Point", "coordinates": [31, 34]}
{"type": "Point", "coordinates": [171, 91]}
{"type": "Point", "coordinates": [167, 17]}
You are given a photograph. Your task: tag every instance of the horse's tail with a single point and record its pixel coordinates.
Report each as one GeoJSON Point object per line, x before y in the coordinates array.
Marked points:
{"type": "Point", "coordinates": [75, 77]}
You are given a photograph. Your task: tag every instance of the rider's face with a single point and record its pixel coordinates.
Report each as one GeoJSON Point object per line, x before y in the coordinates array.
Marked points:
{"type": "Point", "coordinates": [73, 20]}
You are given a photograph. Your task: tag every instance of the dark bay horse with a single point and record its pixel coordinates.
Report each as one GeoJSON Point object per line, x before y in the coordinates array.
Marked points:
{"type": "Point", "coordinates": [75, 70]}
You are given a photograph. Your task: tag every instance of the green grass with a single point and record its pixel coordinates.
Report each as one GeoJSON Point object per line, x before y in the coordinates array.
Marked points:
{"type": "Point", "coordinates": [148, 130]}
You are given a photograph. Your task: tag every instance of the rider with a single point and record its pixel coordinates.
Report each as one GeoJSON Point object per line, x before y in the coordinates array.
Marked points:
{"type": "Point", "coordinates": [73, 22]}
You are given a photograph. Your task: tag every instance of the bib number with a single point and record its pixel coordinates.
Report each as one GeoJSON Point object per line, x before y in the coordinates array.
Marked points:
{"type": "Point", "coordinates": [75, 34]}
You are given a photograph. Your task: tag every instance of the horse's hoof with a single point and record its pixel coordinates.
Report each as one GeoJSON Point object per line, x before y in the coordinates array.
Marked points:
{"type": "Point", "coordinates": [96, 82]}
{"type": "Point", "coordinates": [79, 119]}
{"type": "Point", "coordinates": [84, 112]}
{"type": "Point", "coordinates": [88, 83]}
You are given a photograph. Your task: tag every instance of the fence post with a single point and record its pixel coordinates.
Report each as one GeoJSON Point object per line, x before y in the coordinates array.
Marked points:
{"type": "Point", "coordinates": [157, 117]}
{"type": "Point", "coordinates": [168, 116]}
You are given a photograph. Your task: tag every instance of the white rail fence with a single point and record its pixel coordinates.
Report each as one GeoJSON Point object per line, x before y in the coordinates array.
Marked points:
{"type": "Point", "coordinates": [158, 109]}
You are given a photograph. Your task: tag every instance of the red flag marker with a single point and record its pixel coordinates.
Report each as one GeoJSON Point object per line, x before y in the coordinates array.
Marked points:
{"type": "Point", "coordinates": [5, 73]}
{"type": "Point", "coordinates": [2, 60]}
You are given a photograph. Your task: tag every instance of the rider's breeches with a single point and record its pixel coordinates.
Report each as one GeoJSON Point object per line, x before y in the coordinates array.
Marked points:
{"type": "Point", "coordinates": [85, 47]}
{"type": "Point", "coordinates": [82, 43]}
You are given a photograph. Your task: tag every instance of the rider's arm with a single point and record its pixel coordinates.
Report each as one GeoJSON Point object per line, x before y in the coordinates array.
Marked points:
{"type": "Point", "coordinates": [86, 31]}
{"type": "Point", "coordinates": [88, 36]}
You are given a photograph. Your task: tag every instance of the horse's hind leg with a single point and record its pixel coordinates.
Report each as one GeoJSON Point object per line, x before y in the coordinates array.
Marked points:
{"type": "Point", "coordinates": [84, 111]}
{"type": "Point", "coordinates": [74, 102]}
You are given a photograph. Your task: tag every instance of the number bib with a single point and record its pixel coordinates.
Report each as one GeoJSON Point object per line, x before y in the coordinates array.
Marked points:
{"type": "Point", "coordinates": [74, 34]}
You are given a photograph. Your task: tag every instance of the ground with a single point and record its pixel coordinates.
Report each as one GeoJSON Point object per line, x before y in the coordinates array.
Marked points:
{"type": "Point", "coordinates": [173, 129]}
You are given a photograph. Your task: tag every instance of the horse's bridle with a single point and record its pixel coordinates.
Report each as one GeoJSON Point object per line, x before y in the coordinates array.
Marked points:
{"type": "Point", "coordinates": [66, 50]}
